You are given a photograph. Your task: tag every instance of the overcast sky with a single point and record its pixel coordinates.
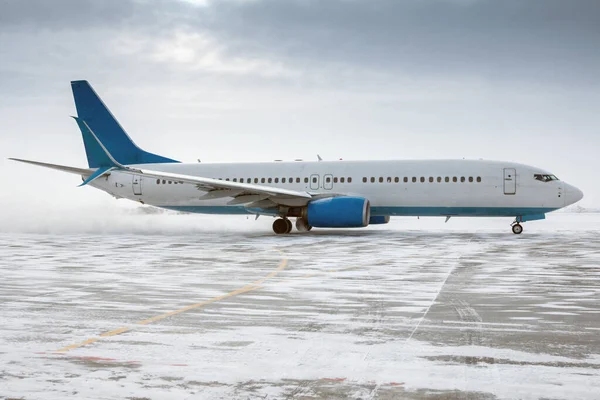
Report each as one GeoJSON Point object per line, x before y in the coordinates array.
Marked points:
{"type": "Point", "coordinates": [256, 80]}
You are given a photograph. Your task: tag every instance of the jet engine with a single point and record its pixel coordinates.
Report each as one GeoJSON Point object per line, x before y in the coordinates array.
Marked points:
{"type": "Point", "coordinates": [339, 212]}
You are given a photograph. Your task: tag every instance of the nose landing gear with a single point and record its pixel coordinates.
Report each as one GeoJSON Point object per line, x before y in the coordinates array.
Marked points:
{"type": "Point", "coordinates": [517, 228]}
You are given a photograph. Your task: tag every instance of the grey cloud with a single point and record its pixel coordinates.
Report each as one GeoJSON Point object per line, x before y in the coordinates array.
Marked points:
{"type": "Point", "coordinates": [64, 14]}
{"type": "Point", "coordinates": [532, 39]}
{"type": "Point", "coordinates": [552, 41]}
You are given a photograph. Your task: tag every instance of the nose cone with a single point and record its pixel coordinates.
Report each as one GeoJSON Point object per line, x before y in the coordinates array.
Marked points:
{"type": "Point", "coordinates": [573, 195]}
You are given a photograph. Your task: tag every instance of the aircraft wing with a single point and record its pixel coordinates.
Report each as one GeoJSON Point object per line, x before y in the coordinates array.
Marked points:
{"type": "Point", "coordinates": [242, 193]}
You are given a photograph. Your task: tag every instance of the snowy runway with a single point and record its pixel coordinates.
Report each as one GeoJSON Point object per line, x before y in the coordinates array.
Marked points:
{"type": "Point", "coordinates": [244, 314]}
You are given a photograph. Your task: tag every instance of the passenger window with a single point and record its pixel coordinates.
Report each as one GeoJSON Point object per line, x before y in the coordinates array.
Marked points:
{"type": "Point", "coordinates": [462, 178]}
{"type": "Point", "coordinates": [164, 181]}
{"type": "Point", "coordinates": [447, 179]}
{"type": "Point", "coordinates": [396, 179]}
{"type": "Point", "coordinates": [297, 180]}
{"type": "Point", "coordinates": [372, 180]}
{"type": "Point", "coordinates": [342, 179]}
{"type": "Point", "coordinates": [364, 179]}
{"type": "Point", "coordinates": [335, 180]}
{"type": "Point", "coordinates": [255, 180]}
{"type": "Point", "coordinates": [158, 181]}
{"type": "Point", "coordinates": [470, 179]}
{"type": "Point", "coordinates": [282, 180]}
{"type": "Point", "coordinates": [170, 182]}
{"type": "Point", "coordinates": [291, 180]}
{"type": "Point", "coordinates": [439, 179]}
{"type": "Point", "coordinates": [314, 180]}
{"type": "Point", "coordinates": [227, 179]}
{"type": "Point", "coordinates": [270, 180]}
{"type": "Point", "coordinates": [305, 180]}
{"type": "Point", "coordinates": [262, 180]}
{"type": "Point", "coordinates": [327, 180]}
{"type": "Point", "coordinates": [414, 179]}
{"type": "Point", "coordinates": [454, 179]}
{"type": "Point", "coordinates": [241, 180]}
{"type": "Point", "coordinates": [430, 179]}
{"type": "Point", "coordinates": [422, 179]}
{"type": "Point", "coordinates": [389, 180]}
{"type": "Point", "coordinates": [349, 180]}
{"type": "Point", "coordinates": [405, 179]}
{"type": "Point", "coordinates": [235, 179]}
{"type": "Point", "coordinates": [381, 179]}
{"type": "Point", "coordinates": [478, 179]}
{"type": "Point", "coordinates": [276, 180]}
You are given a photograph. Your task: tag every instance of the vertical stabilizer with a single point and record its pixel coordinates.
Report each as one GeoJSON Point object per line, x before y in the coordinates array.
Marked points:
{"type": "Point", "coordinates": [98, 117]}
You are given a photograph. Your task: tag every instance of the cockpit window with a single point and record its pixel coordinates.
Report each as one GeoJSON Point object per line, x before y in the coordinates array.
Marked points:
{"type": "Point", "coordinates": [545, 178]}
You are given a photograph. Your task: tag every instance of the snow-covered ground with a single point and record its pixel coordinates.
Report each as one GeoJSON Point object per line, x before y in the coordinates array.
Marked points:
{"type": "Point", "coordinates": [414, 309]}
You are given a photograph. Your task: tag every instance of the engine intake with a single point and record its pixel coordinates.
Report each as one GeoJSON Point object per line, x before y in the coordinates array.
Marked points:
{"type": "Point", "coordinates": [339, 212]}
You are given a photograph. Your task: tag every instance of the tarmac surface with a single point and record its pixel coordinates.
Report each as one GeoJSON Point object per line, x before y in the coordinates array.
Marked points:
{"type": "Point", "coordinates": [392, 312]}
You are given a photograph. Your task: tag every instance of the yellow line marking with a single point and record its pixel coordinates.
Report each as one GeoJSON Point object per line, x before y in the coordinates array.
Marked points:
{"type": "Point", "coordinates": [248, 288]}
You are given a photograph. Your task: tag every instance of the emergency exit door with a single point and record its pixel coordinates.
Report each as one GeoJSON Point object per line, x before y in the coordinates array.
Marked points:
{"type": "Point", "coordinates": [510, 181]}
{"type": "Point", "coordinates": [314, 182]}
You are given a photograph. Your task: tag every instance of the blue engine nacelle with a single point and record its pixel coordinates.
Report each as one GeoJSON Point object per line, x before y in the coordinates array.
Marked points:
{"type": "Point", "coordinates": [339, 212]}
{"type": "Point", "coordinates": [379, 219]}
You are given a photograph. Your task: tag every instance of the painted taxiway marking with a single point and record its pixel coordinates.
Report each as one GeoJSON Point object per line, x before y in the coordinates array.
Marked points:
{"type": "Point", "coordinates": [248, 288]}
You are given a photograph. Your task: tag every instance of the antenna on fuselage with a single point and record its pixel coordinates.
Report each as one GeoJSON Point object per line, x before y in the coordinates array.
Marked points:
{"type": "Point", "coordinates": [199, 161]}
{"type": "Point", "coordinates": [319, 158]}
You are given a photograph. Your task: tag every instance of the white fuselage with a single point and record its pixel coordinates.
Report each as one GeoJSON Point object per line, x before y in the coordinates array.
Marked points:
{"type": "Point", "coordinates": [409, 187]}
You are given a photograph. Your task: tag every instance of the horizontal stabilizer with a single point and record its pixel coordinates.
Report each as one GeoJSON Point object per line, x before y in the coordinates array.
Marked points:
{"type": "Point", "coordinates": [72, 170]}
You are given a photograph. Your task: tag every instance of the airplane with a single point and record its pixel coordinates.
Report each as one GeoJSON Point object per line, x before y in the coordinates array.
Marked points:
{"type": "Point", "coordinates": [321, 194]}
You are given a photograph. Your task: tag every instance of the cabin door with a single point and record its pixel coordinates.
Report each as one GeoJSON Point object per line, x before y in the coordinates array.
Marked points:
{"type": "Point", "coordinates": [510, 181]}
{"type": "Point", "coordinates": [137, 185]}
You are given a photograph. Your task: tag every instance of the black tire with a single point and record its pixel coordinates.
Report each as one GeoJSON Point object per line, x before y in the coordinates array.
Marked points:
{"type": "Point", "coordinates": [289, 225]}
{"type": "Point", "coordinates": [280, 226]}
{"type": "Point", "coordinates": [517, 229]}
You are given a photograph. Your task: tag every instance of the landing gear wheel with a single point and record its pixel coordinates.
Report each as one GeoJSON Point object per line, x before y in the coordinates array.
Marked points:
{"type": "Point", "coordinates": [517, 229]}
{"type": "Point", "coordinates": [282, 226]}
{"type": "Point", "coordinates": [289, 225]}
{"type": "Point", "coordinates": [302, 225]}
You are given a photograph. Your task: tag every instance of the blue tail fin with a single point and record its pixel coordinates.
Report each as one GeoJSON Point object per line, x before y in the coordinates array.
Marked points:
{"type": "Point", "coordinates": [93, 111]}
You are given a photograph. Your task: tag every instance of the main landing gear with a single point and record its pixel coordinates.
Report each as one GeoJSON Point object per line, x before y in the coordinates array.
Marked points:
{"type": "Point", "coordinates": [302, 225]}
{"type": "Point", "coordinates": [283, 226]}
